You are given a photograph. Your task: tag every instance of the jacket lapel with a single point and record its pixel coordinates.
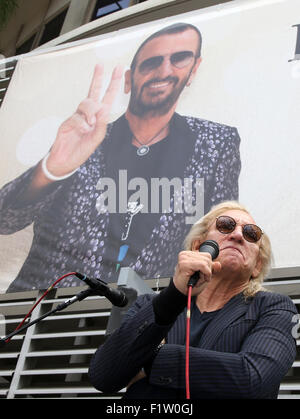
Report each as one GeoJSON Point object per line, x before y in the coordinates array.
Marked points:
{"type": "Point", "coordinates": [233, 309]}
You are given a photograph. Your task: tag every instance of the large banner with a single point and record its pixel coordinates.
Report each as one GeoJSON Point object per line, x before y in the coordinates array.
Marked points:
{"type": "Point", "coordinates": [113, 147]}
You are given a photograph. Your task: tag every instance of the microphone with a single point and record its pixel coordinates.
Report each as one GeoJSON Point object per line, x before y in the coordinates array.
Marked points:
{"type": "Point", "coordinates": [211, 247]}
{"type": "Point", "coordinates": [115, 296]}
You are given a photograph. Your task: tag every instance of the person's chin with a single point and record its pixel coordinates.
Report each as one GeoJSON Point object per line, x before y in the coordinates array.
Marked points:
{"type": "Point", "coordinates": [232, 264]}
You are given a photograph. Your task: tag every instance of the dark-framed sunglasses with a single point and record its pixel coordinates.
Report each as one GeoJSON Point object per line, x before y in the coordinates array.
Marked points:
{"type": "Point", "coordinates": [251, 232]}
{"type": "Point", "coordinates": [178, 59]}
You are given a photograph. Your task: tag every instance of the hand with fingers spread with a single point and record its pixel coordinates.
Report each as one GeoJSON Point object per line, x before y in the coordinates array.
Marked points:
{"type": "Point", "coordinates": [190, 262]}
{"type": "Point", "coordinates": [80, 135]}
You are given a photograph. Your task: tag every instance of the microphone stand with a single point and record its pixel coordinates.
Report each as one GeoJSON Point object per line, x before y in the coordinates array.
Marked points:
{"type": "Point", "coordinates": [79, 297]}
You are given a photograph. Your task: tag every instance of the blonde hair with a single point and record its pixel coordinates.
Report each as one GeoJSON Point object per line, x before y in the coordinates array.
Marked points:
{"type": "Point", "coordinates": [199, 232]}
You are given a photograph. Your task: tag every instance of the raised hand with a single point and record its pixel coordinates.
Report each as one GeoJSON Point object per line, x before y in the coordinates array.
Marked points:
{"type": "Point", "coordinates": [80, 135]}
{"type": "Point", "coordinates": [190, 262]}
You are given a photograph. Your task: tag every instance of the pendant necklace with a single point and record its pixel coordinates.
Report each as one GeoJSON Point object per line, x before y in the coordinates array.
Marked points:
{"type": "Point", "coordinates": [144, 147]}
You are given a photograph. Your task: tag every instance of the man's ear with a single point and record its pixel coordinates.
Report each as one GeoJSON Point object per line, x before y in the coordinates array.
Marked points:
{"type": "Point", "coordinates": [127, 85]}
{"type": "Point", "coordinates": [194, 71]}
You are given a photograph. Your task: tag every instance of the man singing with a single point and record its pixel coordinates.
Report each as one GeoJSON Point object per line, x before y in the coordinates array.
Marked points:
{"type": "Point", "coordinates": [241, 335]}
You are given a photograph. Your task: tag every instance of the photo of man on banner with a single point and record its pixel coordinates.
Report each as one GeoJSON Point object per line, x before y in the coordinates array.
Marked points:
{"type": "Point", "coordinates": [124, 193]}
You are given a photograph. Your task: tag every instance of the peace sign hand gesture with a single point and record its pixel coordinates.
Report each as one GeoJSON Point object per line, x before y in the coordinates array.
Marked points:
{"type": "Point", "coordinates": [80, 135]}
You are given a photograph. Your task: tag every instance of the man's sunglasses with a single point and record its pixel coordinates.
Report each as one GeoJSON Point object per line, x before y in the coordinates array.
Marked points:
{"type": "Point", "coordinates": [251, 232]}
{"type": "Point", "coordinates": [179, 60]}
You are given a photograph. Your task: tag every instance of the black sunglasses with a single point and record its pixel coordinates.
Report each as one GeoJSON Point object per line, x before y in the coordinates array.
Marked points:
{"type": "Point", "coordinates": [179, 60]}
{"type": "Point", "coordinates": [251, 232]}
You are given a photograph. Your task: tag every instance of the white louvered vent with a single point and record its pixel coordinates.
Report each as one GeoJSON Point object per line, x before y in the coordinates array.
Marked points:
{"type": "Point", "coordinates": [6, 72]}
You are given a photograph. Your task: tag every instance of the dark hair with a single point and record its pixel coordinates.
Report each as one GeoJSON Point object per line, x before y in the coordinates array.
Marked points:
{"type": "Point", "coordinates": [175, 28]}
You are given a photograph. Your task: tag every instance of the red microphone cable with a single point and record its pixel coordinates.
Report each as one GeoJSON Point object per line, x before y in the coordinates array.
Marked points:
{"type": "Point", "coordinates": [187, 343]}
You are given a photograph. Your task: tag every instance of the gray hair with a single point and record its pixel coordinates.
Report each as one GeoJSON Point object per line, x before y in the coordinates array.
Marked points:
{"type": "Point", "coordinates": [199, 232]}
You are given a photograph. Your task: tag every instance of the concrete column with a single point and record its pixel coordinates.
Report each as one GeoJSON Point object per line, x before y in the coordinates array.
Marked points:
{"type": "Point", "coordinates": [78, 10]}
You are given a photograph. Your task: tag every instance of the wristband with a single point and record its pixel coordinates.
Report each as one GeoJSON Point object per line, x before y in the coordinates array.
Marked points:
{"type": "Point", "coordinates": [49, 175]}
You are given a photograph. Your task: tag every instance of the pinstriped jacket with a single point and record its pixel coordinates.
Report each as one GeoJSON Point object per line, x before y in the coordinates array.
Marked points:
{"type": "Point", "coordinates": [244, 352]}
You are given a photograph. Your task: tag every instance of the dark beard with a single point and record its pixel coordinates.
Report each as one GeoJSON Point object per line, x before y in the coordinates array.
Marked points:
{"type": "Point", "coordinates": [139, 108]}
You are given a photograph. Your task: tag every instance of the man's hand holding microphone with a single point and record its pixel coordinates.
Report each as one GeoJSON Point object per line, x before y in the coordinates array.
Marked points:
{"type": "Point", "coordinates": [196, 267]}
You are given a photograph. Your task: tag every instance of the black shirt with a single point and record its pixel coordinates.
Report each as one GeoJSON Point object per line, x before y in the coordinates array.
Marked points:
{"type": "Point", "coordinates": [166, 159]}
{"type": "Point", "coordinates": [199, 322]}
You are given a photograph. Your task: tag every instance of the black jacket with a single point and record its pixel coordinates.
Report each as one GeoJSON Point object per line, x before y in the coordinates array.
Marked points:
{"type": "Point", "coordinates": [244, 352]}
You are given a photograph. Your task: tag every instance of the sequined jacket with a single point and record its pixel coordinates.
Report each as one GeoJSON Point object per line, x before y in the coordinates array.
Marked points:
{"type": "Point", "coordinates": [70, 235]}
